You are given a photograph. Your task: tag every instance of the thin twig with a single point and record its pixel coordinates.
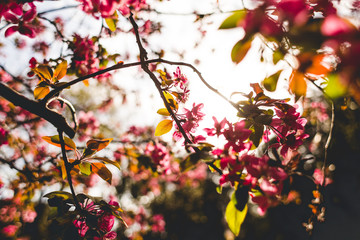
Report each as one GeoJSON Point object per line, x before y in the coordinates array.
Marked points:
{"type": "Point", "coordinates": [68, 169]}
{"type": "Point", "coordinates": [327, 144]}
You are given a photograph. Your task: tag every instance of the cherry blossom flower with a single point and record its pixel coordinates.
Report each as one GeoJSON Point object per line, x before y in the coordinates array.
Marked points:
{"type": "Point", "coordinates": [3, 136]}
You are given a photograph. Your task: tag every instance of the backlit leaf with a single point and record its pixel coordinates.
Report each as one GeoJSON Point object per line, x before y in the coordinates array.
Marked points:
{"type": "Point", "coordinates": [234, 217]}
{"type": "Point", "coordinates": [271, 81]}
{"type": "Point", "coordinates": [60, 70]}
{"type": "Point", "coordinates": [101, 170]}
{"type": "Point", "coordinates": [163, 127]}
{"type": "Point", "coordinates": [233, 20]}
{"type": "Point", "coordinates": [43, 71]}
{"type": "Point", "coordinates": [111, 22]}
{"type": "Point", "coordinates": [59, 194]}
{"type": "Point", "coordinates": [106, 160]}
{"type": "Point", "coordinates": [240, 50]}
{"type": "Point", "coordinates": [297, 84]}
{"type": "Point", "coordinates": [163, 111]}
{"type": "Point", "coordinates": [335, 88]}
{"type": "Point", "coordinates": [277, 56]}
{"type": "Point", "coordinates": [55, 140]}
{"type": "Point", "coordinates": [85, 168]}
{"type": "Point", "coordinates": [170, 99]}
{"type": "Point", "coordinates": [98, 145]}
{"type": "Point", "coordinates": [41, 92]}
{"type": "Point", "coordinates": [86, 82]}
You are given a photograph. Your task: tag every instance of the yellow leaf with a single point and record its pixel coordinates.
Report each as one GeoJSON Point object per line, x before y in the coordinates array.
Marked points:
{"type": "Point", "coordinates": [44, 72]}
{"type": "Point", "coordinates": [163, 111]}
{"type": "Point", "coordinates": [163, 127]}
{"type": "Point", "coordinates": [63, 170]}
{"type": "Point", "coordinates": [297, 84]}
{"type": "Point", "coordinates": [170, 99]}
{"type": "Point", "coordinates": [60, 70]}
{"type": "Point", "coordinates": [111, 23]}
{"type": "Point", "coordinates": [41, 92]}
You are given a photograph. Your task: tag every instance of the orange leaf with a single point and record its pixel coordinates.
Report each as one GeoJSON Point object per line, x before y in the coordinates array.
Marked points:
{"type": "Point", "coordinates": [55, 140]}
{"type": "Point", "coordinates": [297, 84]}
{"type": "Point", "coordinates": [101, 170]}
{"type": "Point", "coordinates": [86, 82]}
{"type": "Point", "coordinates": [163, 127]}
{"type": "Point", "coordinates": [44, 72]}
{"type": "Point", "coordinates": [98, 145]}
{"type": "Point", "coordinates": [60, 70]}
{"type": "Point", "coordinates": [240, 50]}
{"type": "Point", "coordinates": [319, 66]}
{"type": "Point", "coordinates": [41, 92]}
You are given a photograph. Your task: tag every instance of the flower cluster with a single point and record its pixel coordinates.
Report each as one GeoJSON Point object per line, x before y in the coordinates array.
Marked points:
{"type": "Point", "coordinates": [289, 128]}
{"type": "Point", "coordinates": [88, 125]}
{"type": "Point", "coordinates": [99, 220]}
{"type": "Point", "coordinates": [189, 122]}
{"type": "Point", "coordinates": [21, 16]}
{"type": "Point", "coordinates": [107, 8]}
{"type": "Point", "coordinates": [84, 60]}
{"type": "Point", "coordinates": [159, 155]}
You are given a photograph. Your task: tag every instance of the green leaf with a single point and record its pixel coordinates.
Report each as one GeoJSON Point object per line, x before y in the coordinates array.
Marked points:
{"type": "Point", "coordinates": [335, 88]}
{"type": "Point", "coordinates": [234, 217]}
{"type": "Point", "coordinates": [240, 50]}
{"type": "Point", "coordinates": [257, 134]}
{"type": "Point", "coordinates": [233, 20]}
{"type": "Point", "coordinates": [270, 82]}
{"type": "Point", "coordinates": [85, 168]}
{"type": "Point", "coordinates": [163, 127]}
{"type": "Point", "coordinates": [277, 56]}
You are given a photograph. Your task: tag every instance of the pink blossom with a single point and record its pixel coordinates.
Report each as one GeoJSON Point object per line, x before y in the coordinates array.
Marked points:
{"type": "Point", "coordinates": [10, 230]}
{"type": "Point", "coordinates": [28, 215]}
{"type": "Point", "coordinates": [180, 79]}
{"type": "Point", "coordinates": [334, 26]}
{"type": "Point", "coordinates": [236, 135]}
{"type": "Point", "coordinates": [3, 136]}
{"type": "Point", "coordinates": [158, 223]}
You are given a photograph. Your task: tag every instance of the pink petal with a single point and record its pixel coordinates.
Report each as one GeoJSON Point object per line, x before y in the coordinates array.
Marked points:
{"type": "Point", "coordinates": [11, 30]}
{"type": "Point", "coordinates": [10, 17]}
{"type": "Point", "coordinates": [16, 8]}
{"type": "Point", "coordinates": [29, 15]}
{"type": "Point", "coordinates": [27, 31]}
{"type": "Point", "coordinates": [335, 26]}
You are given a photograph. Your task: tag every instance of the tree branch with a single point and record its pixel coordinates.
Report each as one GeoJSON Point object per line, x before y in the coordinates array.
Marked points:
{"type": "Point", "coordinates": [36, 108]}
{"type": "Point", "coordinates": [145, 67]}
